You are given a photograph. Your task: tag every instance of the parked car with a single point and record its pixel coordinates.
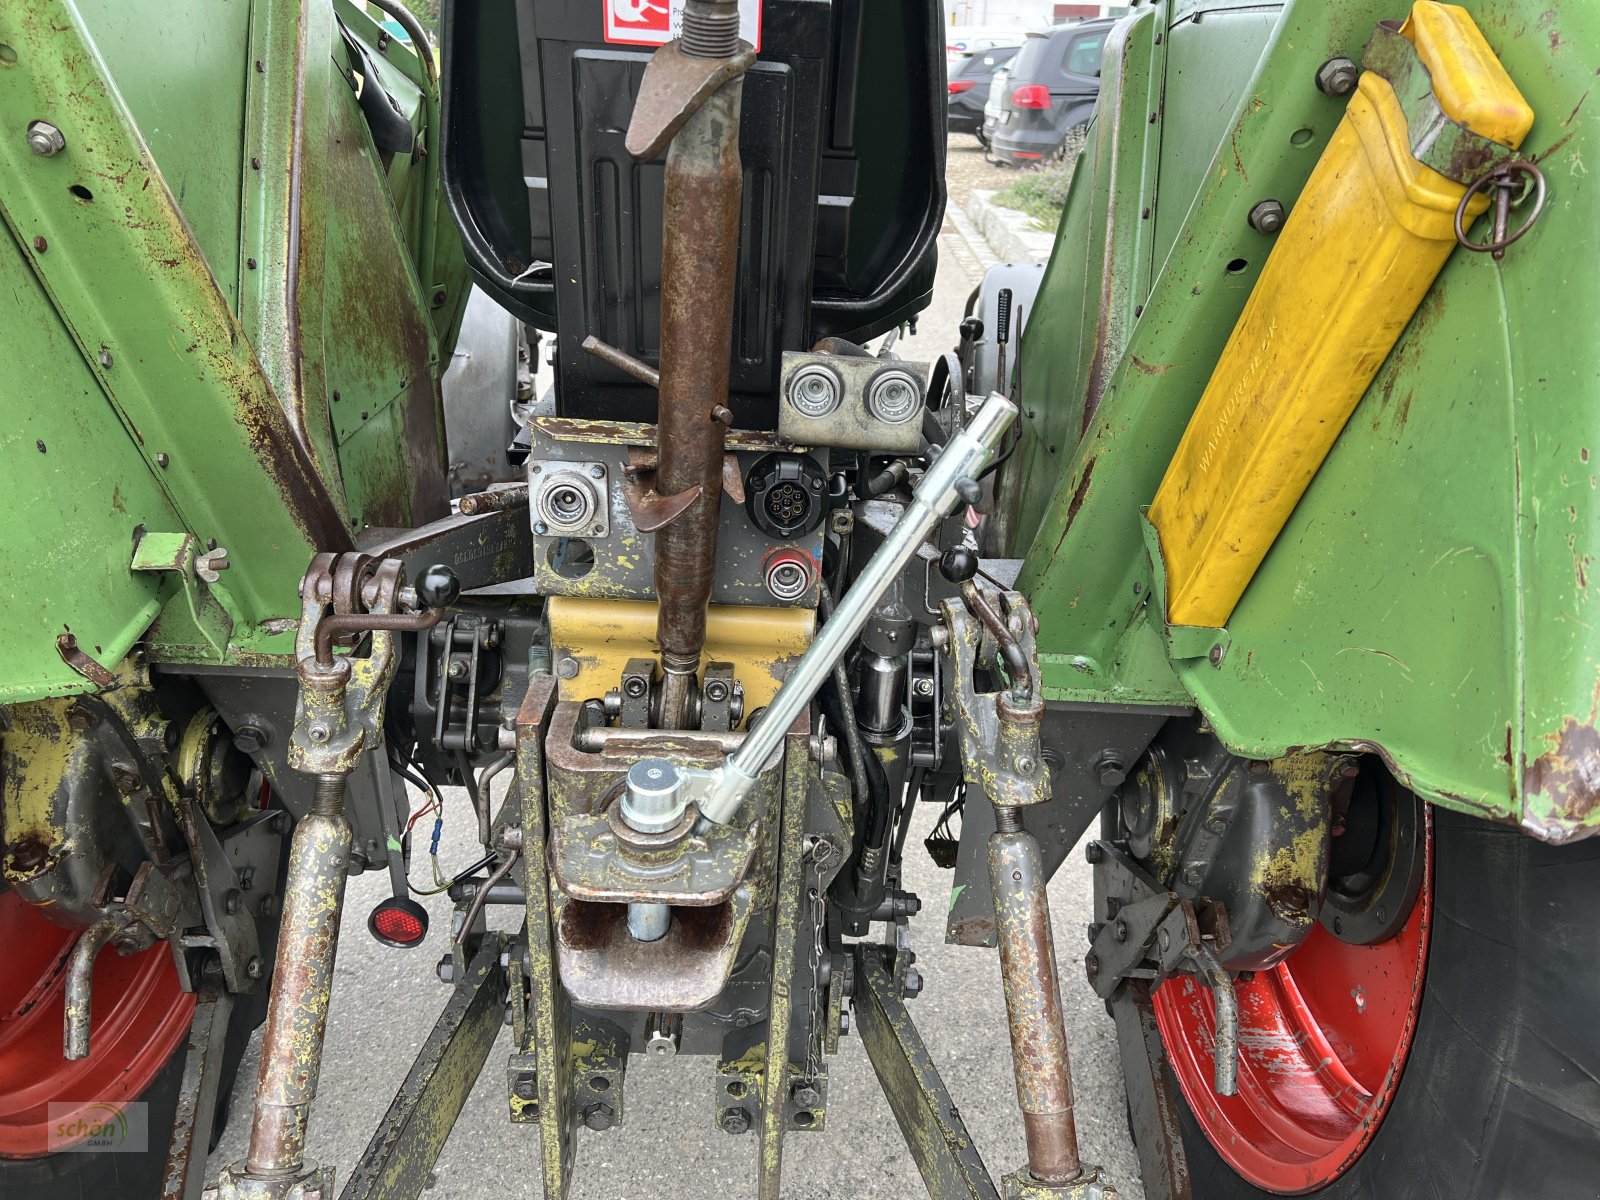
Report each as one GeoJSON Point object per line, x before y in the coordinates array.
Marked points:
{"type": "Point", "coordinates": [969, 88]}
{"type": "Point", "coordinates": [1053, 86]}
{"type": "Point", "coordinates": [992, 106]}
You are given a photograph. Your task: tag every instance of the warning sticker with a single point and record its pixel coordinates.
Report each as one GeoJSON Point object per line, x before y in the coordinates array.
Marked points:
{"type": "Point", "coordinates": [652, 22]}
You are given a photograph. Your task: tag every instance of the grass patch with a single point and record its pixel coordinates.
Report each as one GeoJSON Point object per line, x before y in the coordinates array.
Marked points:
{"type": "Point", "coordinates": [1041, 191]}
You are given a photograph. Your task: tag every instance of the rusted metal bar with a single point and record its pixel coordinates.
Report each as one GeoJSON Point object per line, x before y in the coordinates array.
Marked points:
{"type": "Point", "coordinates": [197, 1094]}
{"type": "Point", "coordinates": [622, 360]}
{"type": "Point", "coordinates": [703, 189]}
{"type": "Point", "coordinates": [929, 1121]}
{"type": "Point", "coordinates": [403, 1150]}
{"type": "Point", "coordinates": [1033, 1001]}
{"type": "Point", "coordinates": [496, 499]}
{"type": "Point", "coordinates": [80, 982]}
{"type": "Point", "coordinates": [1152, 1100]}
{"type": "Point", "coordinates": [297, 1017]}
{"type": "Point", "coordinates": [335, 624]}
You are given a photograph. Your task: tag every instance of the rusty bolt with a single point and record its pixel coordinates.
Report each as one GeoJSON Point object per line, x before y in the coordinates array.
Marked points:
{"type": "Point", "coordinates": [250, 739]}
{"type": "Point", "coordinates": [45, 140]}
{"type": "Point", "coordinates": [80, 719]}
{"type": "Point", "coordinates": [28, 855]}
{"type": "Point", "coordinates": [1267, 217]}
{"type": "Point", "coordinates": [127, 778]}
{"type": "Point", "coordinates": [599, 1116]}
{"type": "Point", "coordinates": [806, 1096]}
{"type": "Point", "coordinates": [734, 1120]}
{"type": "Point", "coordinates": [1337, 77]}
{"type": "Point", "coordinates": [253, 967]}
{"type": "Point", "coordinates": [233, 900]}
{"type": "Point", "coordinates": [268, 906]}
{"type": "Point", "coordinates": [1094, 853]}
{"type": "Point", "coordinates": [1296, 898]}
{"type": "Point", "coordinates": [40, 244]}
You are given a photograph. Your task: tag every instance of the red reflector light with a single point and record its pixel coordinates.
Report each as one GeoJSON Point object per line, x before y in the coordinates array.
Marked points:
{"type": "Point", "coordinates": [1031, 95]}
{"type": "Point", "coordinates": [1025, 154]}
{"type": "Point", "coordinates": [957, 86]}
{"type": "Point", "coordinates": [399, 921]}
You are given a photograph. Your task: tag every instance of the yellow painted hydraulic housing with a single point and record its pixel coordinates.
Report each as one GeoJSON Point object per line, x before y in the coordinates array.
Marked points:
{"type": "Point", "coordinates": [598, 637]}
{"type": "Point", "coordinates": [1364, 243]}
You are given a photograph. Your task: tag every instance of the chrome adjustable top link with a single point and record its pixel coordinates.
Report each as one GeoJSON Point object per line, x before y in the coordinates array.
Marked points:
{"type": "Point", "coordinates": [720, 791]}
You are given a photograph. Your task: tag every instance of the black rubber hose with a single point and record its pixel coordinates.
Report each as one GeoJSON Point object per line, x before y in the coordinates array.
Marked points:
{"type": "Point", "coordinates": [873, 787]}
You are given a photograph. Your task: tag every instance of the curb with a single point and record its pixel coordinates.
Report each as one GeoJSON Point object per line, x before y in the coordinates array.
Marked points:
{"type": "Point", "coordinates": [1013, 236]}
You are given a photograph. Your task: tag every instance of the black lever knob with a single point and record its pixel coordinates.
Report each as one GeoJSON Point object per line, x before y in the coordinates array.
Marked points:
{"type": "Point", "coordinates": [438, 586]}
{"type": "Point", "coordinates": [972, 329]}
{"type": "Point", "coordinates": [958, 564]}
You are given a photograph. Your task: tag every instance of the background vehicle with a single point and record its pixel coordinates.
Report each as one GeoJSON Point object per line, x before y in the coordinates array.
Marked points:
{"type": "Point", "coordinates": [1266, 552]}
{"type": "Point", "coordinates": [969, 88]}
{"type": "Point", "coordinates": [1051, 90]}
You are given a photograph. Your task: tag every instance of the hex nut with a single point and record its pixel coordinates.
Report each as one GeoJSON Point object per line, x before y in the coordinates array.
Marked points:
{"type": "Point", "coordinates": [1338, 77]}
{"type": "Point", "coordinates": [734, 1120]}
{"type": "Point", "coordinates": [45, 140]}
{"type": "Point", "coordinates": [1267, 217]}
{"type": "Point", "coordinates": [599, 1116]}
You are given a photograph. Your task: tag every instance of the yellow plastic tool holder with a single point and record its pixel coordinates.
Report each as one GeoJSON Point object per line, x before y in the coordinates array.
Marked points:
{"type": "Point", "coordinates": [1365, 241]}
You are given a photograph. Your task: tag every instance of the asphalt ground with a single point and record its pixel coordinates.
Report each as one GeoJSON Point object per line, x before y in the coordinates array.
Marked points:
{"type": "Point", "coordinates": [385, 1001]}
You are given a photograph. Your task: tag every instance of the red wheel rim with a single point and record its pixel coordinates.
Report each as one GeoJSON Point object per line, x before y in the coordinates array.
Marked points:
{"type": "Point", "coordinates": [1323, 1039]}
{"type": "Point", "coordinates": [141, 1017]}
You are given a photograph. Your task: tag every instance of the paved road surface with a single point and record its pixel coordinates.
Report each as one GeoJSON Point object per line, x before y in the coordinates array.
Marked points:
{"type": "Point", "coordinates": [385, 1000]}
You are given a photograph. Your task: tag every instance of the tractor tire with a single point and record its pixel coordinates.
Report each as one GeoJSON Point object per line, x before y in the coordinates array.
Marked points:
{"type": "Point", "coordinates": [138, 1047]}
{"type": "Point", "coordinates": [1498, 1081]}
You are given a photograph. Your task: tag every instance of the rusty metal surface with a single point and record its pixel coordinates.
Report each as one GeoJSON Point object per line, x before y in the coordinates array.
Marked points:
{"type": "Point", "coordinates": [1152, 1099]}
{"type": "Point", "coordinates": [482, 549]}
{"type": "Point", "coordinates": [1033, 1006]}
{"type": "Point", "coordinates": [399, 1159]}
{"type": "Point", "coordinates": [675, 87]}
{"type": "Point", "coordinates": [700, 243]}
{"type": "Point", "coordinates": [197, 1095]}
{"type": "Point", "coordinates": [785, 941]}
{"type": "Point", "coordinates": [297, 1017]}
{"type": "Point", "coordinates": [922, 1106]}
{"type": "Point", "coordinates": [593, 858]}
{"type": "Point", "coordinates": [622, 360]}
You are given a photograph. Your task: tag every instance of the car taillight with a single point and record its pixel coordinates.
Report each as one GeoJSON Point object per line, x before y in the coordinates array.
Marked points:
{"type": "Point", "coordinates": [1031, 95]}
{"type": "Point", "coordinates": [957, 86]}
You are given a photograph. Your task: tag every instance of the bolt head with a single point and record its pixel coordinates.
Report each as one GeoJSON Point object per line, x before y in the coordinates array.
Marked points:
{"type": "Point", "coordinates": [567, 668]}
{"type": "Point", "coordinates": [45, 140]}
{"type": "Point", "coordinates": [1267, 217]}
{"type": "Point", "coordinates": [253, 968]}
{"type": "Point", "coordinates": [80, 719]}
{"type": "Point", "coordinates": [1094, 853]}
{"type": "Point", "coordinates": [1120, 931]}
{"type": "Point", "coordinates": [318, 733]}
{"type": "Point", "coordinates": [734, 1120]}
{"type": "Point", "coordinates": [233, 900]}
{"type": "Point", "coordinates": [526, 1086]}
{"type": "Point", "coordinates": [1216, 655]}
{"type": "Point", "coordinates": [1192, 875]}
{"type": "Point", "coordinates": [249, 739]}
{"type": "Point", "coordinates": [924, 687]}
{"type": "Point", "coordinates": [457, 669]}
{"type": "Point", "coordinates": [599, 1116]}
{"type": "Point", "coordinates": [806, 1096]}
{"type": "Point", "coordinates": [1338, 77]}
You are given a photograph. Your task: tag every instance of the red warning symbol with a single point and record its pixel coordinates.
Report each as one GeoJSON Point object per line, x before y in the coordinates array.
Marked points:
{"type": "Point", "coordinates": [652, 22]}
